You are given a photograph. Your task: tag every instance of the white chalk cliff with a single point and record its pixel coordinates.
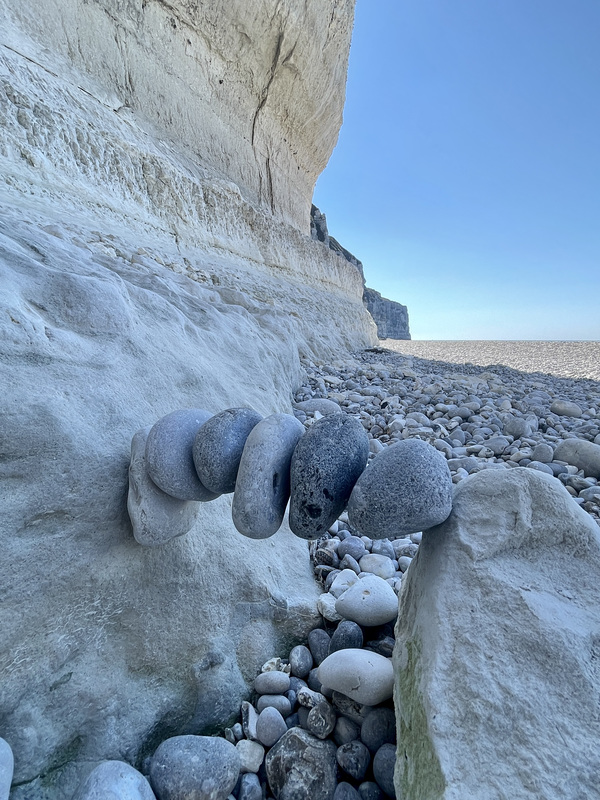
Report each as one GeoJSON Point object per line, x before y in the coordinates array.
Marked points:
{"type": "Point", "coordinates": [157, 161]}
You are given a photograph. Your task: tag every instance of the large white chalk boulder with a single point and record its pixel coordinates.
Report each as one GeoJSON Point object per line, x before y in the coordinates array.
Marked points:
{"type": "Point", "coordinates": [498, 645]}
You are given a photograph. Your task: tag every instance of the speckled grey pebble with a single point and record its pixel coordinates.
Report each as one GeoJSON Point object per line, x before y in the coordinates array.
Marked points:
{"type": "Point", "coordinates": [542, 452]}
{"type": "Point", "coordinates": [345, 791]}
{"type": "Point", "coordinates": [325, 466]}
{"type": "Point", "coordinates": [321, 720]}
{"type": "Point", "coordinates": [169, 459]}
{"type": "Point", "coordinates": [383, 547]}
{"type": "Point", "coordinates": [407, 488]}
{"type": "Point", "coordinates": [250, 788]}
{"type": "Point", "coordinates": [384, 762]}
{"type": "Point", "coordinates": [369, 790]}
{"type": "Point", "coordinates": [278, 701]}
{"type": "Point", "coordinates": [302, 767]}
{"type": "Point", "coordinates": [348, 562]}
{"type": "Point", "coordinates": [354, 758]}
{"type": "Point", "coordinates": [182, 763]}
{"type": "Point", "coordinates": [272, 682]}
{"type": "Point", "coordinates": [318, 643]}
{"type": "Point", "coordinates": [347, 634]}
{"type": "Point", "coordinates": [379, 728]}
{"type": "Point", "coordinates": [301, 661]}
{"type": "Point", "coordinates": [262, 487]}
{"type": "Point", "coordinates": [270, 726]}
{"type": "Point", "coordinates": [218, 447]}
{"type": "Point", "coordinates": [353, 546]}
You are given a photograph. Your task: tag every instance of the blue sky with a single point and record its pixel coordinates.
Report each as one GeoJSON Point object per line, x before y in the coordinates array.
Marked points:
{"type": "Point", "coordinates": [467, 172]}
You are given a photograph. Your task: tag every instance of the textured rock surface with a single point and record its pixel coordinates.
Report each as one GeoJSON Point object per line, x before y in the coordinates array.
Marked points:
{"type": "Point", "coordinates": [6, 768]}
{"type": "Point", "coordinates": [497, 637]}
{"type": "Point", "coordinates": [114, 780]}
{"type": "Point", "coordinates": [390, 317]}
{"type": "Point", "coordinates": [302, 766]}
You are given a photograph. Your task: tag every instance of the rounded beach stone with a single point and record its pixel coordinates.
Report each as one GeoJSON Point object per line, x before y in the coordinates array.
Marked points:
{"type": "Point", "coordinates": [581, 454]}
{"type": "Point", "coordinates": [352, 546]}
{"type": "Point", "coordinates": [194, 767]}
{"type": "Point", "coordinates": [250, 788]}
{"type": "Point", "coordinates": [342, 582]}
{"type": "Point", "coordinates": [517, 427]}
{"type": "Point", "coordinates": [278, 701]}
{"type": "Point", "coordinates": [112, 780]}
{"type": "Point", "coordinates": [7, 764]}
{"type": "Point", "coordinates": [270, 726]}
{"type": "Point", "coordinates": [251, 754]}
{"type": "Point", "coordinates": [347, 634]}
{"type": "Point", "coordinates": [345, 731]}
{"type": "Point", "coordinates": [369, 790]}
{"type": "Point", "coordinates": [379, 728]}
{"type": "Point", "coordinates": [302, 766]}
{"type": "Point", "coordinates": [361, 675]}
{"type": "Point", "coordinates": [325, 466]}
{"type": "Point", "coordinates": [407, 488]}
{"type": "Point", "coordinates": [384, 762]}
{"type": "Point", "coordinates": [169, 459]}
{"type": "Point", "coordinates": [155, 517]}
{"type": "Point", "coordinates": [272, 682]}
{"type": "Point", "coordinates": [320, 404]}
{"type": "Point", "coordinates": [301, 661]}
{"type": "Point", "coordinates": [370, 601]}
{"type": "Point", "coordinates": [383, 547]}
{"type": "Point", "coordinates": [564, 408]}
{"type": "Point", "coordinates": [382, 566]}
{"type": "Point", "coordinates": [321, 720]}
{"type": "Point", "coordinates": [354, 758]}
{"type": "Point", "coordinates": [318, 643]}
{"type": "Point", "coordinates": [542, 452]}
{"type": "Point", "coordinates": [262, 487]}
{"type": "Point", "coordinates": [218, 447]}
{"type": "Point", "coordinates": [345, 791]}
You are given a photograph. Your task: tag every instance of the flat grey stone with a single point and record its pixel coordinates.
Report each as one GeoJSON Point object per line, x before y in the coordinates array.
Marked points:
{"type": "Point", "coordinates": [564, 408]}
{"type": "Point", "coordinates": [194, 768]}
{"type": "Point", "coordinates": [543, 452]}
{"type": "Point", "coordinates": [352, 546]}
{"type": "Point", "coordinates": [272, 682]}
{"type": "Point", "coordinates": [384, 762]}
{"type": "Point", "coordinates": [156, 517]}
{"type": "Point", "coordinates": [278, 701]}
{"type": "Point", "coordinates": [540, 467]}
{"type": "Point", "coordinates": [300, 766]}
{"type": "Point", "coordinates": [361, 675]}
{"type": "Point", "coordinates": [263, 482]}
{"type": "Point", "coordinates": [320, 404]}
{"type": "Point", "coordinates": [407, 488]}
{"type": "Point", "coordinates": [169, 459]}
{"type": "Point", "coordinates": [345, 731]}
{"type": "Point", "coordinates": [325, 466]}
{"type": "Point", "coordinates": [270, 726]}
{"type": "Point", "coordinates": [582, 454]}
{"type": "Point", "coordinates": [370, 601]}
{"type": "Point", "coordinates": [497, 444]}
{"type": "Point", "coordinates": [249, 720]}
{"type": "Point", "coordinates": [113, 780]}
{"type": "Point", "coordinates": [251, 754]}
{"type": "Point", "coordinates": [7, 764]}
{"type": "Point", "coordinates": [218, 447]}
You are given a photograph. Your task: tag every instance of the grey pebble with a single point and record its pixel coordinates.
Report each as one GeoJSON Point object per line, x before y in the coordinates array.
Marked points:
{"type": "Point", "coordinates": [169, 459]}
{"type": "Point", "coordinates": [345, 731]}
{"type": "Point", "coordinates": [218, 447]}
{"type": "Point", "coordinates": [301, 661]}
{"type": "Point", "coordinates": [348, 562]}
{"type": "Point", "coordinates": [321, 720]}
{"type": "Point", "coordinates": [300, 766]}
{"type": "Point", "coordinates": [345, 791]}
{"type": "Point", "coordinates": [347, 634]}
{"type": "Point", "coordinates": [354, 758]}
{"type": "Point", "coordinates": [379, 728]}
{"type": "Point", "coordinates": [250, 788]}
{"type": "Point", "coordinates": [109, 779]}
{"type": "Point", "coordinates": [278, 701]}
{"type": "Point", "coordinates": [325, 466]}
{"type": "Point", "coordinates": [383, 547]}
{"type": "Point", "coordinates": [297, 683]}
{"type": "Point", "coordinates": [352, 546]}
{"type": "Point", "coordinates": [318, 642]}
{"type": "Point", "coordinates": [369, 790]}
{"type": "Point", "coordinates": [263, 481]}
{"type": "Point", "coordinates": [270, 726]}
{"type": "Point", "coordinates": [384, 762]}
{"type": "Point", "coordinates": [249, 720]}
{"type": "Point", "coordinates": [319, 404]}
{"type": "Point", "coordinates": [272, 682]}
{"type": "Point", "coordinates": [293, 720]}
{"type": "Point", "coordinates": [313, 680]}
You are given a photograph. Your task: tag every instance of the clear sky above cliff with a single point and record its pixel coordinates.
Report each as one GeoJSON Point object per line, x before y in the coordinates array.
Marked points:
{"type": "Point", "coordinates": [467, 173]}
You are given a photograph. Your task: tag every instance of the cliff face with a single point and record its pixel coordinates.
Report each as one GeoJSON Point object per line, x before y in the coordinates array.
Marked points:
{"type": "Point", "coordinates": [154, 255]}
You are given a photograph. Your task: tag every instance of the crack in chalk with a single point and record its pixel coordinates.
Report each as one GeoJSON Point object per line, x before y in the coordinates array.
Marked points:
{"type": "Point", "coordinates": [265, 92]}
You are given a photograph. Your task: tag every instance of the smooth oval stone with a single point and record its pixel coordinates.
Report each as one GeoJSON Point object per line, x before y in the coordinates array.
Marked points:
{"type": "Point", "coordinates": [370, 601]}
{"type": "Point", "coordinates": [345, 731]}
{"type": "Point", "coordinates": [543, 452]}
{"type": "Point", "coordinates": [272, 682]}
{"type": "Point", "coordinates": [194, 767]}
{"type": "Point", "coordinates": [354, 758]}
{"type": "Point", "coordinates": [270, 726]}
{"type": "Point", "coordinates": [7, 764]}
{"type": "Point", "coordinates": [369, 790]}
{"type": "Point", "coordinates": [251, 754]}
{"type": "Point", "coordinates": [345, 791]}
{"type": "Point", "coordinates": [155, 516]}
{"type": "Point", "coordinates": [301, 661]}
{"type": "Point", "coordinates": [517, 427]}
{"type": "Point", "coordinates": [169, 458]}
{"type": "Point", "coordinates": [318, 643]}
{"type": "Point", "coordinates": [407, 488]}
{"type": "Point", "coordinates": [581, 454]}
{"type": "Point", "coordinates": [218, 447]}
{"type": "Point", "coordinates": [278, 701]}
{"type": "Point", "coordinates": [564, 408]}
{"type": "Point", "coordinates": [319, 404]}
{"type": "Point", "coordinates": [384, 762]}
{"type": "Point", "coordinates": [383, 547]}
{"type": "Point", "coordinates": [342, 582]}
{"type": "Point", "coordinates": [352, 546]}
{"type": "Point", "coordinates": [377, 565]}
{"type": "Point", "coordinates": [326, 464]}
{"type": "Point", "coordinates": [302, 766]}
{"type": "Point", "coordinates": [379, 728]}
{"type": "Point", "coordinates": [313, 681]}
{"type": "Point", "coordinates": [262, 487]}
{"type": "Point", "coordinates": [112, 780]}
{"type": "Point", "coordinates": [361, 675]}
{"type": "Point", "coordinates": [347, 634]}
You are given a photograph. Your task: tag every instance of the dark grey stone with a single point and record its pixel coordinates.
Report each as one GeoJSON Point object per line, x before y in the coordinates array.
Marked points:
{"type": "Point", "coordinates": [354, 758]}
{"type": "Point", "coordinates": [383, 547]}
{"type": "Point", "coordinates": [218, 447]}
{"type": "Point", "coordinates": [293, 720]}
{"type": "Point", "coordinates": [384, 645]}
{"type": "Point", "coordinates": [379, 728]}
{"type": "Point", "coordinates": [169, 459]}
{"type": "Point", "coordinates": [194, 767]}
{"type": "Point", "coordinates": [345, 731]}
{"type": "Point", "coordinates": [303, 713]}
{"type": "Point", "coordinates": [313, 680]}
{"type": "Point", "coordinates": [301, 661]}
{"type": "Point", "coordinates": [156, 517]}
{"type": "Point", "coordinates": [352, 546]}
{"type": "Point", "coordinates": [300, 766]}
{"type": "Point", "coordinates": [369, 790]}
{"type": "Point", "coordinates": [326, 464]}
{"type": "Point", "coordinates": [347, 634]}
{"type": "Point", "coordinates": [297, 683]}
{"type": "Point", "coordinates": [355, 712]}
{"type": "Point", "coordinates": [272, 682]}
{"type": "Point", "coordinates": [321, 720]}
{"type": "Point", "coordinates": [318, 642]}
{"type": "Point", "coordinates": [384, 762]}
{"type": "Point", "coordinates": [407, 488]}
{"type": "Point", "coordinates": [250, 788]}
{"type": "Point", "coordinates": [345, 791]}
{"type": "Point", "coordinates": [348, 562]}
{"type": "Point", "coordinates": [292, 697]}
{"type": "Point", "coordinates": [262, 488]}
{"type": "Point", "coordinates": [270, 726]}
